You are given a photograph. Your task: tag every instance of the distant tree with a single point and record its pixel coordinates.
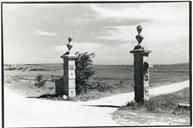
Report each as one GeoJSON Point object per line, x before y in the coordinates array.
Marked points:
{"type": "Point", "coordinates": [84, 71]}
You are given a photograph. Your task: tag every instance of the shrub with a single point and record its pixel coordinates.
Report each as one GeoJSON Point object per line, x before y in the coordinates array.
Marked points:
{"type": "Point", "coordinates": [102, 87]}
{"type": "Point", "coordinates": [39, 81]}
{"type": "Point", "coordinates": [84, 71]}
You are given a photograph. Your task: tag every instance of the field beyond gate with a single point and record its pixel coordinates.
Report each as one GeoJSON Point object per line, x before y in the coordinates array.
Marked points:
{"type": "Point", "coordinates": [108, 80]}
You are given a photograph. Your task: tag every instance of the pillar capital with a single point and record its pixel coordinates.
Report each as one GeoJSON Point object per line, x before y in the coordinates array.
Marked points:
{"type": "Point", "coordinates": [142, 52]}
{"type": "Point", "coordinates": [69, 56]}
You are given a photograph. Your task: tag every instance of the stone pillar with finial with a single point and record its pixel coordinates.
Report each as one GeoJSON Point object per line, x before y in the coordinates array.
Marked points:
{"type": "Point", "coordinates": [141, 70]}
{"type": "Point", "coordinates": [67, 84]}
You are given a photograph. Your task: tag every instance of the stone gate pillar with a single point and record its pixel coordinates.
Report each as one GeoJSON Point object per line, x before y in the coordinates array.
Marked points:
{"type": "Point", "coordinates": [69, 75]}
{"type": "Point", "coordinates": [67, 84]}
{"type": "Point", "coordinates": [141, 70]}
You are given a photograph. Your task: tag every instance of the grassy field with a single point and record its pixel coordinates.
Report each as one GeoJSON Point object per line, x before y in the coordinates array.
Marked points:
{"type": "Point", "coordinates": [163, 109]}
{"type": "Point", "coordinates": [108, 80]}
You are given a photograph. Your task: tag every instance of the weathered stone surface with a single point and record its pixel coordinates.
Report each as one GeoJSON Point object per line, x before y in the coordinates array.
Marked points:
{"type": "Point", "coordinates": [59, 86]}
{"type": "Point", "coordinates": [146, 80]}
{"type": "Point", "coordinates": [138, 78]}
{"type": "Point", "coordinates": [71, 65]}
{"type": "Point", "coordinates": [141, 75]}
{"type": "Point", "coordinates": [71, 92]}
{"type": "Point", "coordinates": [68, 86]}
{"type": "Point", "coordinates": [71, 83]}
{"type": "Point", "coordinates": [71, 74]}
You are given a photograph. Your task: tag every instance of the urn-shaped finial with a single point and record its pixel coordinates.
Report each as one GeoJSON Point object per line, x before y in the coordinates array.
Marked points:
{"type": "Point", "coordinates": [69, 39]}
{"type": "Point", "coordinates": [69, 46]}
{"type": "Point", "coordinates": [139, 36]}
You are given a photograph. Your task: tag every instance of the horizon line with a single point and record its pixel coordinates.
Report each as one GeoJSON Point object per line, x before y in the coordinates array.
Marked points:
{"type": "Point", "coordinates": [94, 64]}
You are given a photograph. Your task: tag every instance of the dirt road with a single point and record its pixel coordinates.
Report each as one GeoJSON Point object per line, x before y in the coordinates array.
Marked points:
{"type": "Point", "coordinates": [26, 112]}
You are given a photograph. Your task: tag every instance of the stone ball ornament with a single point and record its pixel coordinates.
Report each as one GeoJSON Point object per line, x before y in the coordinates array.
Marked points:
{"type": "Point", "coordinates": [139, 29]}
{"type": "Point", "coordinates": [64, 97]}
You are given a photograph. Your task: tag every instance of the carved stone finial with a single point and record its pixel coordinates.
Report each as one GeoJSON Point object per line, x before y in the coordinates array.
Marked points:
{"type": "Point", "coordinates": [69, 46]}
{"type": "Point", "coordinates": [69, 39]}
{"type": "Point", "coordinates": [139, 36]}
{"type": "Point", "coordinates": [139, 29]}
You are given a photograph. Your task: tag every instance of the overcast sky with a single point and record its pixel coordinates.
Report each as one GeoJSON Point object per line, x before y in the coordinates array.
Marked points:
{"type": "Point", "coordinates": [37, 33]}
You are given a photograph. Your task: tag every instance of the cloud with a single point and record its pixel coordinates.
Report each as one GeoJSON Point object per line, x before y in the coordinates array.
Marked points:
{"type": "Point", "coordinates": [105, 54]}
{"type": "Point", "coordinates": [88, 17]}
{"type": "Point", "coordinates": [121, 12]}
{"type": "Point", "coordinates": [149, 11]}
{"type": "Point", "coordinates": [44, 33]}
{"type": "Point", "coordinates": [161, 21]}
{"type": "Point", "coordinates": [80, 47]}
{"type": "Point", "coordinates": [107, 29]}
{"type": "Point", "coordinates": [121, 33]}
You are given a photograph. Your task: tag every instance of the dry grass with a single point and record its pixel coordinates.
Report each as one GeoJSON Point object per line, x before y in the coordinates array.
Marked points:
{"type": "Point", "coordinates": [159, 110]}
{"type": "Point", "coordinates": [109, 79]}
{"type": "Point", "coordinates": [163, 103]}
{"type": "Point", "coordinates": [163, 108]}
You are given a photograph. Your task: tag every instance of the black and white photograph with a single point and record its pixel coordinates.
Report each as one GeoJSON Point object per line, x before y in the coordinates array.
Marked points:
{"type": "Point", "coordinates": [96, 63]}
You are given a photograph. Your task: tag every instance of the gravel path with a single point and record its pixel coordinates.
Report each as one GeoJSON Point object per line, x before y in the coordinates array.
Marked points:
{"type": "Point", "coordinates": [26, 112]}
